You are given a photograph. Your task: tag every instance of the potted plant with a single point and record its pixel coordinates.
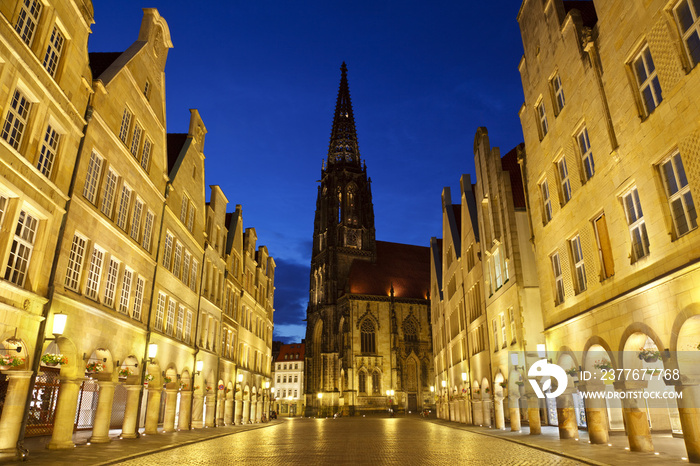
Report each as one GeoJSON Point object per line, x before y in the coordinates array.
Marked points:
{"type": "Point", "coordinates": [602, 364]}
{"type": "Point", "coordinates": [148, 378]}
{"type": "Point", "coordinates": [184, 385]}
{"type": "Point", "coordinates": [125, 372]}
{"type": "Point", "coordinates": [648, 355]}
{"type": "Point", "coordinates": [478, 391]}
{"type": "Point", "coordinates": [53, 359]}
{"type": "Point", "coordinates": [9, 361]}
{"type": "Point", "coordinates": [167, 380]}
{"type": "Point", "coordinates": [487, 390]}
{"type": "Point", "coordinates": [573, 372]}
{"type": "Point", "coordinates": [95, 367]}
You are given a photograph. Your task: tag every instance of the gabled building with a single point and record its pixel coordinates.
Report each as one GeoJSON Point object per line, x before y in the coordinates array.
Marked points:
{"type": "Point", "coordinates": [368, 330]}
{"type": "Point", "coordinates": [288, 378]}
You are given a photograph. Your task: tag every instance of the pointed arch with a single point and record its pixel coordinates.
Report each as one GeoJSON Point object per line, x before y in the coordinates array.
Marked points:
{"type": "Point", "coordinates": [368, 339]}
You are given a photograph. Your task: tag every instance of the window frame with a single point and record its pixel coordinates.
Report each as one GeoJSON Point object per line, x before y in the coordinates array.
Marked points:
{"type": "Point", "coordinates": [54, 51]}
{"type": "Point", "coordinates": [607, 266]}
{"type": "Point", "coordinates": [682, 193]}
{"type": "Point", "coordinates": [644, 54]}
{"type": "Point", "coordinates": [547, 213]}
{"type": "Point", "coordinates": [638, 223]}
{"type": "Point", "coordinates": [24, 13]}
{"type": "Point", "coordinates": [557, 272]}
{"type": "Point", "coordinates": [578, 263]}
{"type": "Point", "coordinates": [583, 143]}
{"type": "Point", "coordinates": [16, 118]}
{"type": "Point", "coordinates": [565, 192]}
{"type": "Point", "coordinates": [557, 94]}
{"type": "Point", "coordinates": [541, 116]}
{"type": "Point", "coordinates": [694, 27]}
{"type": "Point", "coordinates": [92, 176]}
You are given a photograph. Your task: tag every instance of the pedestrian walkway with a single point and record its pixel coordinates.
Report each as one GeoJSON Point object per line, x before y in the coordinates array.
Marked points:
{"type": "Point", "coordinates": [669, 450]}
{"type": "Point", "coordinates": [120, 450]}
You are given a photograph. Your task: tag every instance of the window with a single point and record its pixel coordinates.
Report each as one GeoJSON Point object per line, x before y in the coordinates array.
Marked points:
{"type": "Point", "coordinates": [177, 259]}
{"type": "Point", "coordinates": [27, 20]}
{"type": "Point", "coordinates": [635, 222]}
{"type": "Point", "coordinates": [111, 284]}
{"type": "Point", "coordinates": [546, 202]}
{"type": "Point", "coordinates": [558, 278]}
{"type": "Point", "coordinates": [376, 386]}
{"type": "Point", "coordinates": [367, 343]}
{"type": "Point", "coordinates": [193, 275]}
{"type": "Point", "coordinates": [124, 129]}
{"type": "Point", "coordinates": [22, 247]}
{"type": "Point", "coordinates": [180, 322]}
{"type": "Point", "coordinates": [647, 80]}
{"type": "Point", "coordinates": [190, 218]}
{"type": "Point", "coordinates": [16, 119]}
{"type": "Point", "coordinates": [108, 193]}
{"type": "Point", "coordinates": [680, 200]}
{"type": "Point", "coordinates": [584, 146]}
{"type": "Point", "coordinates": [558, 91]}
{"type": "Point", "coordinates": [688, 17]}
{"type": "Point", "coordinates": [75, 262]}
{"type": "Point", "coordinates": [126, 291]}
{"type": "Point", "coordinates": [494, 328]}
{"type": "Point", "coordinates": [167, 250]}
{"type": "Point", "coordinates": [564, 183]}
{"type": "Point", "coordinates": [123, 212]}
{"type": "Point", "coordinates": [136, 219]}
{"type": "Point", "coordinates": [188, 327]}
{"type": "Point", "coordinates": [170, 318]}
{"type": "Point", "coordinates": [147, 229]}
{"type": "Point", "coordinates": [146, 154]}
{"type": "Point", "coordinates": [186, 268]}
{"type": "Point", "coordinates": [542, 119]}
{"type": "Point", "coordinates": [160, 311]}
{"type": "Point", "coordinates": [607, 266]}
{"type": "Point", "coordinates": [511, 317]}
{"type": "Point", "coordinates": [579, 266]}
{"type": "Point", "coordinates": [53, 51]}
{"type": "Point", "coordinates": [147, 90]}
{"type": "Point", "coordinates": [183, 209]}
{"type": "Point", "coordinates": [504, 336]}
{"type": "Point", "coordinates": [363, 382]}
{"type": "Point", "coordinates": [93, 177]}
{"type": "Point", "coordinates": [136, 140]}
{"type": "Point", "coordinates": [138, 298]}
{"type": "Point", "coordinates": [497, 268]}
{"type": "Point", "coordinates": [49, 148]}
{"type": "Point", "coordinates": [94, 273]}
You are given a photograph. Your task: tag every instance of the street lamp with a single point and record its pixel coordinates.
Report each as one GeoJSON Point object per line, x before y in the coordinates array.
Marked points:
{"type": "Point", "coordinates": [320, 403]}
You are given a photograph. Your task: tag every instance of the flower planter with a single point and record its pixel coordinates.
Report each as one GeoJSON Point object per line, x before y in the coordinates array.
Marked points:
{"type": "Point", "coordinates": [651, 359]}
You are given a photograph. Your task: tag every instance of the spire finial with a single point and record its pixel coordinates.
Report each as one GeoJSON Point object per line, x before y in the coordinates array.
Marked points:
{"type": "Point", "coordinates": [344, 68]}
{"type": "Point", "coordinates": [343, 147]}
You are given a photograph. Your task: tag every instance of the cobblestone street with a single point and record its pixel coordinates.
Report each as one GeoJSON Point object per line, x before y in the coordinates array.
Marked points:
{"type": "Point", "coordinates": [406, 441]}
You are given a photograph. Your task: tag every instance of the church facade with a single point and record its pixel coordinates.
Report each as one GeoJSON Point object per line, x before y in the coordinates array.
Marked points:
{"type": "Point", "coordinates": [368, 329]}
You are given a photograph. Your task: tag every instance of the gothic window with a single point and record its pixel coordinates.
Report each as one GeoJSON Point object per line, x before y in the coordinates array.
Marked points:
{"type": "Point", "coordinates": [410, 332]}
{"type": "Point", "coordinates": [376, 385]}
{"type": "Point", "coordinates": [351, 208]}
{"type": "Point", "coordinates": [367, 337]}
{"type": "Point", "coordinates": [411, 376]}
{"type": "Point", "coordinates": [340, 205]}
{"type": "Point", "coordinates": [363, 382]}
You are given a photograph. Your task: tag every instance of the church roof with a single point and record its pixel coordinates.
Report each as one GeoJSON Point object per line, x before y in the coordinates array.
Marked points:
{"type": "Point", "coordinates": [405, 267]}
{"type": "Point", "coordinates": [509, 163]}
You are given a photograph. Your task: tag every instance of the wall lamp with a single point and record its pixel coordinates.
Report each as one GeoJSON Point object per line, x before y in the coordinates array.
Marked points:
{"type": "Point", "coordinates": [464, 377]}
{"type": "Point", "coordinates": [13, 341]}
{"type": "Point", "coordinates": [152, 352]}
{"type": "Point", "coordinates": [444, 383]}
{"type": "Point", "coordinates": [240, 378]}
{"type": "Point", "coordinates": [199, 365]}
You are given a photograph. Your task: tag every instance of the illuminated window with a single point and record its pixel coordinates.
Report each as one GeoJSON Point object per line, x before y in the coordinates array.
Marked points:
{"type": "Point", "coordinates": [147, 230]}
{"type": "Point", "coordinates": [136, 219]}
{"type": "Point", "coordinates": [167, 250]}
{"type": "Point", "coordinates": [367, 342]}
{"type": "Point", "coordinates": [75, 262]}
{"type": "Point", "coordinates": [688, 16]}
{"type": "Point", "coordinates": [494, 328]}
{"type": "Point", "coordinates": [123, 211]}
{"type": "Point", "coordinates": [53, 51]}
{"type": "Point", "coordinates": [111, 282]}
{"type": "Point", "coordinates": [94, 273]}
{"type": "Point", "coordinates": [677, 190]}
{"type": "Point", "coordinates": [138, 299]}
{"type": "Point", "coordinates": [584, 146]}
{"type": "Point", "coordinates": [160, 311]}
{"type": "Point", "coordinates": [647, 80]}
{"type": "Point", "coordinates": [558, 278]}
{"type": "Point", "coordinates": [126, 291]}
{"type": "Point", "coordinates": [170, 318]}
{"type": "Point", "coordinates": [636, 225]}
{"type": "Point", "coordinates": [108, 193]}
{"type": "Point", "coordinates": [511, 317]}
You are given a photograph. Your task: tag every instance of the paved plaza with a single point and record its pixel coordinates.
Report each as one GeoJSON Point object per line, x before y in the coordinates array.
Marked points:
{"type": "Point", "coordinates": [357, 440]}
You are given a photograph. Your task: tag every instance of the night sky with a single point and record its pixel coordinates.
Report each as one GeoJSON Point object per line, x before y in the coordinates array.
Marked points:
{"type": "Point", "coordinates": [264, 75]}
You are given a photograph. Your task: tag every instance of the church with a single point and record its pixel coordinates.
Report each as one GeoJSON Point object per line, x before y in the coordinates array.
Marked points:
{"type": "Point", "coordinates": [368, 334]}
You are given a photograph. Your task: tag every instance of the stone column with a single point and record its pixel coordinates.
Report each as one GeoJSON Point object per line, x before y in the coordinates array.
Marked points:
{"type": "Point", "coordinates": [689, 411]}
{"type": "Point", "coordinates": [238, 413]}
{"type": "Point", "coordinates": [478, 413]}
{"type": "Point", "coordinates": [566, 414]}
{"type": "Point", "coordinates": [498, 412]}
{"type": "Point", "coordinates": [246, 412]}
{"type": "Point", "coordinates": [130, 411]}
{"type": "Point", "coordinates": [153, 410]}
{"type": "Point", "coordinates": [13, 411]}
{"type": "Point", "coordinates": [228, 411]}
{"type": "Point", "coordinates": [514, 408]}
{"type": "Point", "coordinates": [183, 421]}
{"type": "Point", "coordinates": [533, 414]}
{"type": "Point", "coordinates": [636, 423]}
{"type": "Point", "coordinates": [197, 410]}
{"type": "Point", "coordinates": [596, 413]}
{"type": "Point", "coordinates": [462, 411]}
{"type": "Point", "coordinates": [64, 420]}
{"type": "Point", "coordinates": [258, 415]}
{"type": "Point", "coordinates": [211, 410]}
{"type": "Point", "coordinates": [103, 414]}
{"type": "Point", "coordinates": [170, 409]}
{"type": "Point", "coordinates": [486, 410]}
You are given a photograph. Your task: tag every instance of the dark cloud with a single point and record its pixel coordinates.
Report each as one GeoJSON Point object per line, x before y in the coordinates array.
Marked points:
{"type": "Point", "coordinates": [291, 298]}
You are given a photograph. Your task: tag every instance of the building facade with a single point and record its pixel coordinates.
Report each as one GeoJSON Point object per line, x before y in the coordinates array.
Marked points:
{"type": "Point", "coordinates": [611, 131]}
{"type": "Point", "coordinates": [168, 305]}
{"type": "Point", "coordinates": [368, 332]}
{"type": "Point", "coordinates": [288, 377]}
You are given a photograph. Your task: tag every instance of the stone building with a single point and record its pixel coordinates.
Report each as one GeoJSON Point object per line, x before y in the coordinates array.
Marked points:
{"type": "Point", "coordinates": [368, 331]}
{"type": "Point", "coordinates": [288, 380]}
{"type": "Point", "coordinates": [43, 98]}
{"type": "Point", "coordinates": [163, 324]}
{"type": "Point", "coordinates": [488, 306]}
{"type": "Point", "coordinates": [611, 130]}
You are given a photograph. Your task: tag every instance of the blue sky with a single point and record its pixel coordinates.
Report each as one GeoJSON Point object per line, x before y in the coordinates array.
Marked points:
{"type": "Point", "coordinates": [264, 75]}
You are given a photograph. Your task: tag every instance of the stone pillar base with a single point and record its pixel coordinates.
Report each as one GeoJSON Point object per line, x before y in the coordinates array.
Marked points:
{"type": "Point", "coordinates": [100, 440]}
{"type": "Point", "coordinates": [60, 445]}
{"type": "Point", "coordinates": [129, 436]}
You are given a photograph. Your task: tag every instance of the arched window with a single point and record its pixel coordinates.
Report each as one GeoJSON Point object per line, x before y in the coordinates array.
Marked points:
{"type": "Point", "coordinates": [410, 332]}
{"type": "Point", "coordinates": [376, 384]}
{"type": "Point", "coordinates": [367, 334]}
{"type": "Point", "coordinates": [350, 205]}
{"type": "Point", "coordinates": [340, 205]}
{"type": "Point", "coordinates": [363, 382]}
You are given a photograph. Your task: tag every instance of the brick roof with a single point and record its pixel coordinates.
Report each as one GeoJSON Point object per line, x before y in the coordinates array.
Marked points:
{"type": "Point", "coordinates": [291, 352]}
{"type": "Point", "coordinates": [404, 266]}
{"type": "Point", "coordinates": [509, 163]}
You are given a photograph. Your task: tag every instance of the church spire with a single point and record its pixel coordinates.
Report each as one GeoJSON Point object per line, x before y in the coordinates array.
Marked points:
{"type": "Point", "coordinates": [343, 147]}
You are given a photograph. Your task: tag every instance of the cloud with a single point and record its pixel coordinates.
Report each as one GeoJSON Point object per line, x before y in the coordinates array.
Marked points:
{"type": "Point", "coordinates": [291, 299]}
